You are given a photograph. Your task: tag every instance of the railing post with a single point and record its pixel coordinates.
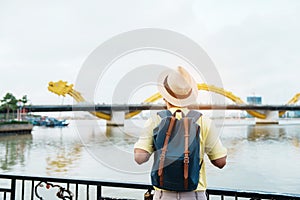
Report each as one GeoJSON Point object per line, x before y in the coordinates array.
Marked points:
{"type": "Point", "coordinates": [99, 192]}
{"type": "Point", "coordinates": [16, 193]}
{"type": "Point", "coordinates": [13, 189]}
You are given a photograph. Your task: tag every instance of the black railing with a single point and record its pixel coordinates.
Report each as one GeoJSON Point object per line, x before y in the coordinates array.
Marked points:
{"type": "Point", "coordinates": [29, 188]}
{"type": "Point", "coordinates": [140, 107]}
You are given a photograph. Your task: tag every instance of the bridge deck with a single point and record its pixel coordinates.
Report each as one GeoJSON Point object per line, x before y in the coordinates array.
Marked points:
{"type": "Point", "coordinates": [139, 107]}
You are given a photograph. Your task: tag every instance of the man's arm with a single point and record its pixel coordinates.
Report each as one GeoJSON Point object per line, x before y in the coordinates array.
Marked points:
{"type": "Point", "coordinates": [220, 162]}
{"type": "Point", "coordinates": [141, 156]}
{"type": "Point", "coordinates": [215, 150]}
{"type": "Point", "coordinates": [143, 148]}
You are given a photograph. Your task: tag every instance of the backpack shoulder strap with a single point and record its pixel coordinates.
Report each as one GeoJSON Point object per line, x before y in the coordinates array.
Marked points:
{"type": "Point", "coordinates": [195, 115]}
{"type": "Point", "coordinates": [164, 113]}
{"type": "Point", "coordinates": [164, 150]}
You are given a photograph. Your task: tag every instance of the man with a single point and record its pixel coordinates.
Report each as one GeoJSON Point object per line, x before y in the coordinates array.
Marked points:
{"type": "Point", "coordinates": [179, 90]}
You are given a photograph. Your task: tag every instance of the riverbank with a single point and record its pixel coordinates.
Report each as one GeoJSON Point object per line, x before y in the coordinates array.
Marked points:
{"type": "Point", "coordinates": [15, 128]}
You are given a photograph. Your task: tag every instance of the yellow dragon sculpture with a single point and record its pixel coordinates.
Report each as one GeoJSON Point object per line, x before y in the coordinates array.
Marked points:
{"type": "Point", "coordinates": [62, 88]}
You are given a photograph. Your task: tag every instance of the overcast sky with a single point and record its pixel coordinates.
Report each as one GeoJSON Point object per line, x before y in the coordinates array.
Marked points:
{"type": "Point", "coordinates": [254, 44]}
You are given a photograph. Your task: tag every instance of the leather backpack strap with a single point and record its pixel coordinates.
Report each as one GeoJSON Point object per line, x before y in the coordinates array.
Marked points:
{"type": "Point", "coordinates": [186, 152]}
{"type": "Point", "coordinates": [194, 115]}
{"type": "Point", "coordinates": [164, 113]}
{"type": "Point", "coordinates": [164, 150]}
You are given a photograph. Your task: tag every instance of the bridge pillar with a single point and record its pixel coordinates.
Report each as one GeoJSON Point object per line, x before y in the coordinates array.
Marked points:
{"type": "Point", "coordinates": [272, 118]}
{"type": "Point", "coordinates": [117, 119]}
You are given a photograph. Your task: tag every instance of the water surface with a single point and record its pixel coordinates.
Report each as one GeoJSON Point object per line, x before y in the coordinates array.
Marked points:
{"type": "Point", "coordinates": [260, 157]}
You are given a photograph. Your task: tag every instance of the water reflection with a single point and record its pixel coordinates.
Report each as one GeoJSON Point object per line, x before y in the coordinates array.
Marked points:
{"type": "Point", "coordinates": [266, 132]}
{"type": "Point", "coordinates": [296, 141]}
{"type": "Point", "coordinates": [119, 135]}
{"type": "Point", "coordinates": [105, 136]}
{"type": "Point", "coordinates": [12, 150]}
{"type": "Point", "coordinates": [260, 157]}
{"type": "Point", "coordinates": [110, 146]}
{"type": "Point", "coordinates": [63, 159]}
{"type": "Point", "coordinates": [288, 133]}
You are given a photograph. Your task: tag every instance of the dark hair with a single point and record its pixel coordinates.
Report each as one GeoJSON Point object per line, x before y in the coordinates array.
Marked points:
{"type": "Point", "coordinates": [169, 103]}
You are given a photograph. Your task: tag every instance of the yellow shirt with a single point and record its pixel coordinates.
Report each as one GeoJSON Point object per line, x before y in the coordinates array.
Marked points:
{"type": "Point", "coordinates": [209, 141]}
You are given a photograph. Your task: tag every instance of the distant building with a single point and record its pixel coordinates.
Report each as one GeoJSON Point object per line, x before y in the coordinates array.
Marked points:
{"type": "Point", "coordinates": [254, 100]}
{"type": "Point", "coordinates": [297, 114]}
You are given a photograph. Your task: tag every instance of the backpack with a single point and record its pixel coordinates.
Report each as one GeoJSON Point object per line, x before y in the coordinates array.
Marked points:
{"type": "Point", "coordinates": [176, 142]}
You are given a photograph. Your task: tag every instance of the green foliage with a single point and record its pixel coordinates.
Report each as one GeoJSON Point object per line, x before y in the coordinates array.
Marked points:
{"type": "Point", "coordinates": [9, 103]}
{"type": "Point", "coordinates": [24, 99]}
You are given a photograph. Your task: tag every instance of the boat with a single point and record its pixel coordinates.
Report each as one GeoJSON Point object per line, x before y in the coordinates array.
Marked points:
{"type": "Point", "coordinates": [47, 121]}
{"type": "Point", "coordinates": [52, 122]}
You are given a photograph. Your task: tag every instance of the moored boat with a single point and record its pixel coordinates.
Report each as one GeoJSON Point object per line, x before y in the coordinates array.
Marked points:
{"type": "Point", "coordinates": [48, 121]}
{"type": "Point", "coordinates": [52, 122]}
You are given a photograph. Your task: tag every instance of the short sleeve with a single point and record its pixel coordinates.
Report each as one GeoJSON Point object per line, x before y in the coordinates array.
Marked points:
{"type": "Point", "coordinates": [145, 140]}
{"type": "Point", "coordinates": [213, 145]}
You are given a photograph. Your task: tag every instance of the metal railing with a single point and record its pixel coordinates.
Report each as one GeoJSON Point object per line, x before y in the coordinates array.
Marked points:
{"type": "Point", "coordinates": [29, 188]}
{"type": "Point", "coordinates": [139, 107]}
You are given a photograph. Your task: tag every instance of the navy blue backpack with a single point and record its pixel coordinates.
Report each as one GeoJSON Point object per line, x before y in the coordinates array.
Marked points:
{"type": "Point", "coordinates": [176, 142]}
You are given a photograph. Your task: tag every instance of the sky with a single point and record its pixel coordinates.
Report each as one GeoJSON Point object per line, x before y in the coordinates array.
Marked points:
{"type": "Point", "coordinates": [254, 45]}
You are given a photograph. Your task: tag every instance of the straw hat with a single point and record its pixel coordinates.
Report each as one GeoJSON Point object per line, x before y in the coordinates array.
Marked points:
{"type": "Point", "coordinates": [178, 87]}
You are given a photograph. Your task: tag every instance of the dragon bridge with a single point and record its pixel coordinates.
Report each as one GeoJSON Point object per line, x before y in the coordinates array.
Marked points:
{"type": "Point", "coordinates": [62, 88]}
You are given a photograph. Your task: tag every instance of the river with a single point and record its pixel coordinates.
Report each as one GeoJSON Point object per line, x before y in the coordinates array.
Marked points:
{"type": "Point", "coordinates": [260, 157]}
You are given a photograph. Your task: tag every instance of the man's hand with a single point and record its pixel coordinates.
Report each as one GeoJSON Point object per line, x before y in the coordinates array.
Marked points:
{"type": "Point", "coordinates": [141, 156]}
{"type": "Point", "coordinates": [220, 162]}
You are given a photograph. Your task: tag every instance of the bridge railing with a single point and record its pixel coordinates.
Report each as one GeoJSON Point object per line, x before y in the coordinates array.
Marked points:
{"type": "Point", "coordinates": [28, 187]}
{"type": "Point", "coordinates": [139, 107]}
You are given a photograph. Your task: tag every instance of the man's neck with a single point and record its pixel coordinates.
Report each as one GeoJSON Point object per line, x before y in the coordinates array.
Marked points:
{"type": "Point", "coordinates": [172, 106]}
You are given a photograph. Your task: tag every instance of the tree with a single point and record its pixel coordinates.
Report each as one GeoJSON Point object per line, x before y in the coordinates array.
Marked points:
{"type": "Point", "coordinates": [24, 99]}
{"type": "Point", "coordinates": [9, 103]}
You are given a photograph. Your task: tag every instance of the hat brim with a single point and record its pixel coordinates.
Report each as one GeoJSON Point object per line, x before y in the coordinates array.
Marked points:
{"type": "Point", "coordinates": [190, 100]}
